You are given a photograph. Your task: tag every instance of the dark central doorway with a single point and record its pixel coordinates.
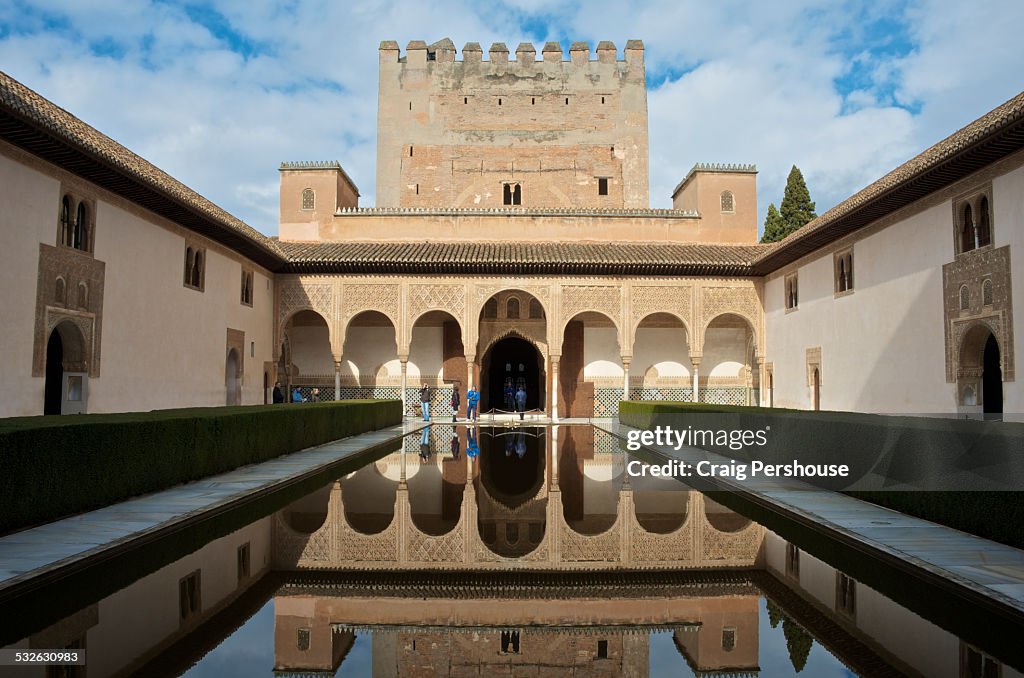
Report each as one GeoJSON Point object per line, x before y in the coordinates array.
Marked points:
{"type": "Point", "coordinates": [517, 360]}
{"type": "Point", "coordinates": [54, 374]}
{"type": "Point", "coordinates": [992, 380]}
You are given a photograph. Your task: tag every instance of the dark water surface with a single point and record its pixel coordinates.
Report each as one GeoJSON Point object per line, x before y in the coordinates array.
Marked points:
{"type": "Point", "coordinates": [496, 551]}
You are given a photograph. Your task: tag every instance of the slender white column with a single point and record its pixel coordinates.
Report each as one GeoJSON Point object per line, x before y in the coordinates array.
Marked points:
{"type": "Point", "coordinates": [405, 386]}
{"type": "Point", "coordinates": [470, 359]}
{"type": "Point", "coordinates": [337, 378]}
{"type": "Point", "coordinates": [696, 381]}
{"type": "Point", "coordinates": [554, 388]}
{"type": "Point", "coordinates": [625, 378]}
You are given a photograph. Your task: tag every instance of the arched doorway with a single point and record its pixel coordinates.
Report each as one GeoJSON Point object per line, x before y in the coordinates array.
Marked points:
{"type": "Point", "coordinates": [816, 395]}
{"type": "Point", "coordinates": [65, 387]}
{"type": "Point", "coordinates": [992, 379]}
{"type": "Point", "coordinates": [512, 360]}
{"type": "Point", "coordinates": [231, 385]}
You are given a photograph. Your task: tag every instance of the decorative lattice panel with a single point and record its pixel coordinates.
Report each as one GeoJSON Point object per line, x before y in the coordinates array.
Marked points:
{"type": "Point", "coordinates": [606, 402]}
{"type": "Point", "coordinates": [724, 396]}
{"type": "Point", "coordinates": [440, 402]}
{"type": "Point", "coordinates": [666, 393]}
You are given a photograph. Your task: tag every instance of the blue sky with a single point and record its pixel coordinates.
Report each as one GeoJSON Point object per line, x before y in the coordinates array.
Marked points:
{"type": "Point", "coordinates": [219, 93]}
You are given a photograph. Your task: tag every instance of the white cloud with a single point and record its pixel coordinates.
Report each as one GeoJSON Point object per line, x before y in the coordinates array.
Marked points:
{"type": "Point", "coordinates": [757, 81]}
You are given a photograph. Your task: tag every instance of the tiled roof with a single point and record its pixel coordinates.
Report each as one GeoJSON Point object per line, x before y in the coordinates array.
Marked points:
{"type": "Point", "coordinates": [32, 122]}
{"type": "Point", "coordinates": [527, 258]}
{"type": "Point", "coordinates": [991, 137]}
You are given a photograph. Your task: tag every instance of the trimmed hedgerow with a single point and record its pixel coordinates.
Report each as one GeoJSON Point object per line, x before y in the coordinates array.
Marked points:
{"type": "Point", "coordinates": [911, 444]}
{"type": "Point", "coordinates": [56, 466]}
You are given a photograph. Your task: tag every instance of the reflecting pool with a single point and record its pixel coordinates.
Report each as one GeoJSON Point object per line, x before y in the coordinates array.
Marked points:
{"type": "Point", "coordinates": [509, 551]}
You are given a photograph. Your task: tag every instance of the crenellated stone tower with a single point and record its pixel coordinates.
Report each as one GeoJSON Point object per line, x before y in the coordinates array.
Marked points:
{"type": "Point", "coordinates": [536, 133]}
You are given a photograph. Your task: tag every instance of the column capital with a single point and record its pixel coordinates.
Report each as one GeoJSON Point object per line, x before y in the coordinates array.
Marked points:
{"type": "Point", "coordinates": [403, 358]}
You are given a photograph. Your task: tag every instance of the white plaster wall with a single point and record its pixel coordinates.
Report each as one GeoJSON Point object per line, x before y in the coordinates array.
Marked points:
{"type": "Point", "coordinates": [1008, 229]}
{"type": "Point", "coordinates": [725, 351]}
{"type": "Point", "coordinates": [311, 349]}
{"type": "Point", "coordinates": [664, 348]}
{"type": "Point", "coordinates": [882, 346]}
{"type": "Point", "coordinates": [145, 614]}
{"type": "Point", "coordinates": [367, 348]}
{"type": "Point", "coordinates": [426, 353]}
{"type": "Point", "coordinates": [29, 216]}
{"type": "Point", "coordinates": [163, 345]}
{"type": "Point", "coordinates": [601, 353]}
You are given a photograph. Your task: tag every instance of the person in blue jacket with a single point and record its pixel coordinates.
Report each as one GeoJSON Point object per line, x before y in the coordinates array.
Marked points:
{"type": "Point", "coordinates": [521, 401]}
{"type": "Point", "coordinates": [472, 402]}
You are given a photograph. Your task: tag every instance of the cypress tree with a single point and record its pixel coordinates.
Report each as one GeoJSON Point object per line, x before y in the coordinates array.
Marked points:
{"type": "Point", "coordinates": [797, 208]}
{"type": "Point", "coordinates": [773, 226]}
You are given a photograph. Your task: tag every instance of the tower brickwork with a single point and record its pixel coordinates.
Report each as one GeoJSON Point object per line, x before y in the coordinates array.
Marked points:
{"type": "Point", "coordinates": [545, 132]}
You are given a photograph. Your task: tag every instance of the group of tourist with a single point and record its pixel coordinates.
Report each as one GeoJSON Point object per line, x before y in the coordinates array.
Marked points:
{"type": "Point", "coordinates": [297, 397]}
{"type": "Point", "coordinates": [472, 446]}
{"type": "Point", "coordinates": [516, 397]}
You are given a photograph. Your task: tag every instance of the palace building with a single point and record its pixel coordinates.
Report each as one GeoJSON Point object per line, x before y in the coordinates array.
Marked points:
{"type": "Point", "coordinates": [512, 241]}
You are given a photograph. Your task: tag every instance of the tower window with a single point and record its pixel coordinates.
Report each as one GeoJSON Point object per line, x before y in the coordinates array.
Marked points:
{"type": "Point", "coordinates": [602, 186]}
{"type": "Point", "coordinates": [602, 100]}
{"type": "Point", "coordinates": [308, 199]}
{"type": "Point", "coordinates": [533, 101]}
{"type": "Point", "coordinates": [566, 101]}
{"type": "Point", "coordinates": [602, 649]}
{"type": "Point", "coordinates": [410, 151]}
{"type": "Point", "coordinates": [512, 309]}
{"type": "Point", "coordinates": [465, 100]}
{"type": "Point", "coordinates": [728, 639]}
{"type": "Point", "coordinates": [728, 202]}
{"type": "Point", "coordinates": [499, 102]}
{"type": "Point", "coordinates": [512, 194]}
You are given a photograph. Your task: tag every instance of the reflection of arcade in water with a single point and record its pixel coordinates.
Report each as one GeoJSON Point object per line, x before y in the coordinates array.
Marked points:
{"type": "Point", "coordinates": [533, 498]}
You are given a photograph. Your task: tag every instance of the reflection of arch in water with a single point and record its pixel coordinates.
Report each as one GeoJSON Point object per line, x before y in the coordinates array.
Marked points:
{"type": "Point", "coordinates": [511, 532]}
{"type": "Point", "coordinates": [723, 519]}
{"type": "Point", "coordinates": [435, 493]}
{"type": "Point", "coordinates": [368, 498]}
{"type": "Point", "coordinates": [512, 465]}
{"type": "Point", "coordinates": [308, 514]}
{"type": "Point", "coordinates": [660, 505]}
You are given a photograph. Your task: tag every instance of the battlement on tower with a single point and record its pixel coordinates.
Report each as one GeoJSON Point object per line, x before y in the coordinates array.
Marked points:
{"type": "Point", "coordinates": [553, 129]}
{"type": "Point", "coordinates": [419, 54]}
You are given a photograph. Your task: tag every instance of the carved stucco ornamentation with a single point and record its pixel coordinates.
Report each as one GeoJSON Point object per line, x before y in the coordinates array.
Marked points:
{"type": "Point", "coordinates": [297, 295]}
{"type": "Point", "coordinates": [385, 298]}
{"type": "Point", "coordinates": [971, 270]}
{"type": "Point", "coordinates": [673, 547]}
{"type": "Point", "coordinates": [606, 299]}
{"type": "Point", "coordinates": [741, 301]}
{"type": "Point", "coordinates": [731, 548]}
{"type": "Point", "coordinates": [450, 298]}
{"type": "Point", "coordinates": [77, 270]}
{"type": "Point", "coordinates": [677, 300]}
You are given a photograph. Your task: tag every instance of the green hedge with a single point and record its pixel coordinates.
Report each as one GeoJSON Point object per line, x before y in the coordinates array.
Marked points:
{"type": "Point", "coordinates": [913, 444]}
{"type": "Point", "coordinates": [56, 466]}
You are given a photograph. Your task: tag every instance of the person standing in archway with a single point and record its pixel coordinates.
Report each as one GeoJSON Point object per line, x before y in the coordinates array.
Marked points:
{"type": "Point", "coordinates": [472, 403]}
{"type": "Point", "coordinates": [510, 396]}
{"type": "Point", "coordinates": [425, 395]}
{"type": "Point", "coordinates": [455, 402]}
{"type": "Point", "coordinates": [521, 402]}
{"type": "Point", "coordinates": [278, 396]}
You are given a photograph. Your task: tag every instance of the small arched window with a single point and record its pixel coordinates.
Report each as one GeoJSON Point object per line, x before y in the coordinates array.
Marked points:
{"type": "Point", "coordinates": [81, 240]}
{"type": "Point", "coordinates": [67, 235]}
{"type": "Point", "coordinates": [512, 309]}
{"type": "Point", "coordinates": [536, 310]}
{"type": "Point", "coordinates": [197, 271]}
{"type": "Point", "coordinates": [190, 262]}
{"type": "Point", "coordinates": [491, 309]}
{"type": "Point", "coordinates": [308, 199]}
{"type": "Point", "coordinates": [60, 291]}
{"type": "Point", "coordinates": [984, 223]}
{"type": "Point", "coordinates": [842, 275]}
{"type": "Point", "coordinates": [986, 292]}
{"type": "Point", "coordinates": [965, 298]}
{"type": "Point", "coordinates": [83, 296]}
{"type": "Point", "coordinates": [967, 230]}
{"type": "Point", "coordinates": [728, 202]}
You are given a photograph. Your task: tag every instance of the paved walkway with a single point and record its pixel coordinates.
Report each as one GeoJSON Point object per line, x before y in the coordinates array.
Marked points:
{"type": "Point", "coordinates": [44, 549]}
{"type": "Point", "coordinates": [993, 570]}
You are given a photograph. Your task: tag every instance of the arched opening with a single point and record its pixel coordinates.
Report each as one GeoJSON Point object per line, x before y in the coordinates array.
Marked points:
{"type": "Point", "coordinates": [437, 481]}
{"type": "Point", "coordinates": [511, 507]}
{"type": "Point", "coordinates": [368, 495]}
{"type": "Point", "coordinates": [660, 504]}
{"type": "Point", "coordinates": [984, 223]}
{"type": "Point", "coordinates": [992, 380]}
{"type": "Point", "coordinates": [309, 362]}
{"type": "Point", "coordinates": [66, 228]}
{"type": "Point", "coordinates": [308, 514]}
{"type": "Point", "coordinates": [591, 372]}
{"type": "Point", "coordinates": [727, 375]}
{"type": "Point", "coordinates": [661, 367]}
{"type": "Point", "coordinates": [512, 349]}
{"type": "Point", "coordinates": [64, 388]}
{"type": "Point", "coordinates": [510, 364]}
{"type": "Point", "coordinates": [967, 230]}
{"type": "Point", "coordinates": [54, 374]}
{"type": "Point", "coordinates": [816, 389]}
{"type": "Point", "coordinates": [370, 357]}
{"type": "Point", "coordinates": [437, 357]}
{"type": "Point", "coordinates": [232, 384]}
{"type": "Point", "coordinates": [590, 481]}
{"type": "Point", "coordinates": [81, 241]}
